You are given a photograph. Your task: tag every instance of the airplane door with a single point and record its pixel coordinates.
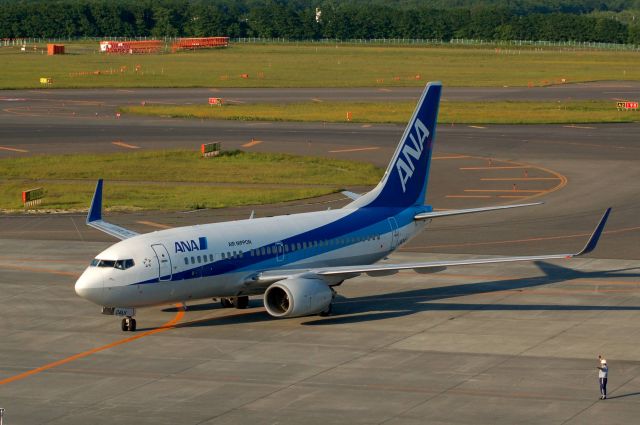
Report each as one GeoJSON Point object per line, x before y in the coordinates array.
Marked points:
{"type": "Point", "coordinates": [279, 252]}
{"type": "Point", "coordinates": [164, 261]}
{"type": "Point", "coordinates": [395, 233]}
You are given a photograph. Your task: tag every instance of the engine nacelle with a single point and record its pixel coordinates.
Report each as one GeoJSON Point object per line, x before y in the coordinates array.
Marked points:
{"type": "Point", "coordinates": [297, 297]}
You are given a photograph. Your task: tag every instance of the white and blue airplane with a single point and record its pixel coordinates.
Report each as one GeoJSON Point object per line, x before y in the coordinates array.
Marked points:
{"type": "Point", "coordinates": [294, 261]}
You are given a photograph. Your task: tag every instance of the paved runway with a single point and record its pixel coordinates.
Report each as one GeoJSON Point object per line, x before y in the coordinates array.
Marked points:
{"type": "Point", "coordinates": [98, 98]}
{"type": "Point", "coordinates": [493, 344]}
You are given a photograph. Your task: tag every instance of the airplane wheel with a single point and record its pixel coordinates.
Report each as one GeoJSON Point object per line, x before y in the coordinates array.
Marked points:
{"type": "Point", "coordinates": [242, 302]}
{"type": "Point", "coordinates": [132, 325]}
{"type": "Point", "coordinates": [226, 303]}
{"type": "Point", "coordinates": [125, 326]}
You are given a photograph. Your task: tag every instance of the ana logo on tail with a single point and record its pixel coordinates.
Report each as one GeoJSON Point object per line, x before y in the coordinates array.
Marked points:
{"type": "Point", "coordinates": [404, 164]}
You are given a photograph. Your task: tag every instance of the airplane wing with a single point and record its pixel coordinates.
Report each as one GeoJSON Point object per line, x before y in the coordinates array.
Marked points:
{"type": "Point", "coordinates": [434, 214]}
{"type": "Point", "coordinates": [94, 218]}
{"type": "Point", "coordinates": [345, 272]}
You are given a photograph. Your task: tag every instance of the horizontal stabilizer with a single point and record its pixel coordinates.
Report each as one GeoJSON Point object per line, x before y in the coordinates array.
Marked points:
{"type": "Point", "coordinates": [434, 214]}
{"type": "Point", "coordinates": [350, 195]}
{"type": "Point", "coordinates": [94, 218]}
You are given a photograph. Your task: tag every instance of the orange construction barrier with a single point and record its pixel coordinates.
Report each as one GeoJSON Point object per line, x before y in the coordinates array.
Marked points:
{"type": "Point", "coordinates": [199, 43]}
{"type": "Point", "coordinates": [131, 47]}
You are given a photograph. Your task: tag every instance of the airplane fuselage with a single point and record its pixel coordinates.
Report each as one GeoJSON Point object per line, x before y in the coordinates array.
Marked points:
{"type": "Point", "coordinates": [226, 259]}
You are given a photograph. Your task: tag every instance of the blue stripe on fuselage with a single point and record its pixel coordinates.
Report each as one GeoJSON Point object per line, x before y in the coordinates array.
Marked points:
{"type": "Point", "coordinates": [361, 223]}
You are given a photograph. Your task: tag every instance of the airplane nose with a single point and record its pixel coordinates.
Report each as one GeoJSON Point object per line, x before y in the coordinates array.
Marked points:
{"type": "Point", "coordinates": [89, 286]}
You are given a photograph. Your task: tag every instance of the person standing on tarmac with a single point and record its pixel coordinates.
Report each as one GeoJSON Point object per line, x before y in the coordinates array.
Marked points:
{"type": "Point", "coordinates": [603, 372]}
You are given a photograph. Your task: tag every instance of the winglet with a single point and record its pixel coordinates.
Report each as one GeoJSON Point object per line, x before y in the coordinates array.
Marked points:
{"type": "Point", "coordinates": [595, 236]}
{"type": "Point", "coordinates": [95, 211]}
{"type": "Point", "coordinates": [94, 218]}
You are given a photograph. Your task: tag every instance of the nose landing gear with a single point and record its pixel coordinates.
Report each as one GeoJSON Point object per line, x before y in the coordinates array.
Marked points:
{"type": "Point", "coordinates": [129, 324]}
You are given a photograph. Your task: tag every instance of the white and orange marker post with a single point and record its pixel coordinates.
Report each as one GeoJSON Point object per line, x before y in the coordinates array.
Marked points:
{"type": "Point", "coordinates": [210, 149]}
{"type": "Point", "coordinates": [32, 197]}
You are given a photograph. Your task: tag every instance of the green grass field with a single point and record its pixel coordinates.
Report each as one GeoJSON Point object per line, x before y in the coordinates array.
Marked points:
{"type": "Point", "coordinates": [506, 112]}
{"type": "Point", "coordinates": [309, 65]}
{"type": "Point", "coordinates": [175, 180]}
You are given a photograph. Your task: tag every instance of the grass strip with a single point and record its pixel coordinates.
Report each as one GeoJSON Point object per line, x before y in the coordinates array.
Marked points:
{"type": "Point", "coordinates": [500, 112]}
{"type": "Point", "coordinates": [313, 65]}
{"type": "Point", "coordinates": [176, 180]}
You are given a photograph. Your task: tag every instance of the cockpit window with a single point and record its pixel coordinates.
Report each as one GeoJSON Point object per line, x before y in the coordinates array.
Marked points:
{"type": "Point", "coordinates": [119, 264]}
{"type": "Point", "coordinates": [124, 264]}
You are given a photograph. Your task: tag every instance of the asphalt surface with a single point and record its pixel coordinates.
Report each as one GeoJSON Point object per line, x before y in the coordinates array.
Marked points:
{"type": "Point", "coordinates": [601, 90]}
{"type": "Point", "coordinates": [497, 344]}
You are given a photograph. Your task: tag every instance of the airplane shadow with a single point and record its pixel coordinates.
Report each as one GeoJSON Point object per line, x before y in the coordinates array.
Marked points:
{"type": "Point", "coordinates": [399, 304]}
{"type": "Point", "coordinates": [622, 395]}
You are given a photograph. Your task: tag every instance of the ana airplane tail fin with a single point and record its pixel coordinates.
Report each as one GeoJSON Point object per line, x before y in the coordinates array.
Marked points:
{"type": "Point", "coordinates": [405, 181]}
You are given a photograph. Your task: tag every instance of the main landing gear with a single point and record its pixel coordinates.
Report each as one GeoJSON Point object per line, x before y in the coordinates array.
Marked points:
{"type": "Point", "coordinates": [129, 324]}
{"type": "Point", "coordinates": [329, 309]}
{"type": "Point", "coordinates": [237, 302]}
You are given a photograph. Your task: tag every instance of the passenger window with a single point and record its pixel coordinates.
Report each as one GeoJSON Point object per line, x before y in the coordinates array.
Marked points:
{"type": "Point", "coordinates": [186, 260]}
{"type": "Point", "coordinates": [240, 254]}
{"type": "Point", "coordinates": [298, 247]}
{"type": "Point", "coordinates": [228, 254]}
{"type": "Point", "coordinates": [268, 250]}
{"type": "Point", "coordinates": [199, 259]}
{"type": "Point", "coordinates": [211, 257]}
{"type": "Point", "coordinates": [193, 260]}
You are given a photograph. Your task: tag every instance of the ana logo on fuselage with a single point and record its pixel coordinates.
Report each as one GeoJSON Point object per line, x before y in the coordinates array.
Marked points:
{"type": "Point", "coordinates": [404, 164]}
{"type": "Point", "coordinates": [191, 245]}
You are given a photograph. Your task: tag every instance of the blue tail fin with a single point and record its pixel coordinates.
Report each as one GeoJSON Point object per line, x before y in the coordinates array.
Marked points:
{"type": "Point", "coordinates": [405, 182]}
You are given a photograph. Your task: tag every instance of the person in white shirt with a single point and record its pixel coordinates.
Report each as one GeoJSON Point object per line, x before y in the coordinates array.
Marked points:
{"type": "Point", "coordinates": [603, 372]}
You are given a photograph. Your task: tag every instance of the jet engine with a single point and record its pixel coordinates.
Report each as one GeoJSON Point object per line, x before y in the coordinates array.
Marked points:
{"type": "Point", "coordinates": [297, 297]}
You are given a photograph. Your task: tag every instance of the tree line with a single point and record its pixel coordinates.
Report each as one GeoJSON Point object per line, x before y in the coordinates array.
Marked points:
{"type": "Point", "coordinates": [298, 20]}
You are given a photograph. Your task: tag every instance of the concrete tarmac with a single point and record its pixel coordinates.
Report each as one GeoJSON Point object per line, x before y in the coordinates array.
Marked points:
{"type": "Point", "coordinates": [493, 344]}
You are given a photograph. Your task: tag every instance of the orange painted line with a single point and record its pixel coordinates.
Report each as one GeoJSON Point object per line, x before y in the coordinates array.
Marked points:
{"type": "Point", "coordinates": [519, 178]}
{"type": "Point", "coordinates": [513, 196]}
{"type": "Point", "coordinates": [125, 145]}
{"type": "Point", "coordinates": [504, 190]}
{"type": "Point", "coordinates": [252, 143]}
{"type": "Point", "coordinates": [355, 150]}
{"type": "Point", "coordinates": [450, 157]}
{"type": "Point", "coordinates": [4, 148]}
{"type": "Point", "coordinates": [468, 196]}
{"type": "Point", "coordinates": [506, 167]}
{"type": "Point", "coordinates": [38, 270]}
{"type": "Point", "coordinates": [153, 224]}
{"type": "Point", "coordinates": [544, 238]}
{"type": "Point", "coordinates": [169, 325]}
